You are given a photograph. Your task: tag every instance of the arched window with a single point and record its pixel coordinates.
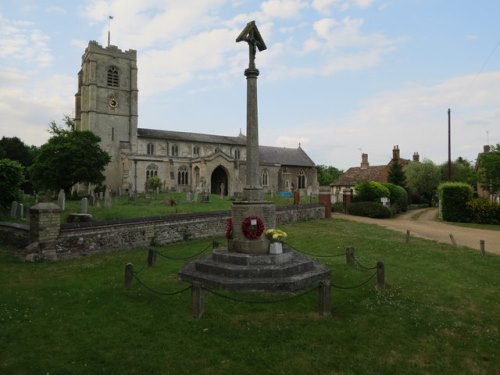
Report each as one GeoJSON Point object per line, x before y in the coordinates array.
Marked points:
{"type": "Point", "coordinates": [196, 150]}
{"type": "Point", "coordinates": [150, 149]}
{"type": "Point", "coordinates": [196, 176]}
{"type": "Point", "coordinates": [151, 171]}
{"type": "Point", "coordinates": [301, 180]}
{"type": "Point", "coordinates": [265, 178]}
{"type": "Point", "coordinates": [174, 150]}
{"type": "Point", "coordinates": [113, 77]}
{"type": "Point", "coordinates": [237, 154]}
{"type": "Point", "coordinates": [182, 176]}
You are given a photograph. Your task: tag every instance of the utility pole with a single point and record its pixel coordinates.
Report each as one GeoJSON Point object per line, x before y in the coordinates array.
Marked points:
{"type": "Point", "coordinates": [449, 144]}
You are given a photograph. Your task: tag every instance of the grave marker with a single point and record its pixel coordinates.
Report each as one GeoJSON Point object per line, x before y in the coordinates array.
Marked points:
{"type": "Point", "coordinates": [61, 199]}
{"type": "Point", "coordinates": [84, 206]}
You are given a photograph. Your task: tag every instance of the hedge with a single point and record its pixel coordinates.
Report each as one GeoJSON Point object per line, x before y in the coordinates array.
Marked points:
{"type": "Point", "coordinates": [482, 211]}
{"type": "Point", "coordinates": [369, 209]}
{"type": "Point", "coordinates": [453, 198]}
{"type": "Point", "coordinates": [399, 197]}
{"type": "Point", "coordinates": [370, 191]}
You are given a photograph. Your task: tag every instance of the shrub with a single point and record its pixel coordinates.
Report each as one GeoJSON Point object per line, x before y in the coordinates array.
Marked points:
{"type": "Point", "coordinates": [153, 183]}
{"type": "Point", "coordinates": [338, 207]}
{"type": "Point", "coordinates": [482, 211]}
{"type": "Point", "coordinates": [369, 209]}
{"type": "Point", "coordinates": [370, 191]}
{"type": "Point", "coordinates": [11, 179]}
{"type": "Point", "coordinates": [399, 197]}
{"type": "Point", "coordinates": [453, 197]}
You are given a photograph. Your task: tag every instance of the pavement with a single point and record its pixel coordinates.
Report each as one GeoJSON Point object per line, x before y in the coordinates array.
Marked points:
{"type": "Point", "coordinates": [422, 223]}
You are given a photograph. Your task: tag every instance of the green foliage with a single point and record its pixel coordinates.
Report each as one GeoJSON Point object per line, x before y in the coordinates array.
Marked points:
{"type": "Point", "coordinates": [396, 175]}
{"type": "Point", "coordinates": [422, 180]}
{"type": "Point", "coordinates": [453, 197]}
{"type": "Point", "coordinates": [370, 191]}
{"type": "Point", "coordinates": [483, 211]}
{"type": "Point", "coordinates": [153, 183]}
{"type": "Point", "coordinates": [461, 171]}
{"type": "Point", "coordinates": [11, 179]}
{"type": "Point", "coordinates": [15, 149]}
{"type": "Point", "coordinates": [489, 169]}
{"type": "Point", "coordinates": [327, 174]}
{"type": "Point", "coordinates": [68, 158]}
{"type": "Point", "coordinates": [398, 196]}
{"type": "Point", "coordinates": [369, 209]}
{"type": "Point", "coordinates": [338, 207]}
{"type": "Point", "coordinates": [68, 127]}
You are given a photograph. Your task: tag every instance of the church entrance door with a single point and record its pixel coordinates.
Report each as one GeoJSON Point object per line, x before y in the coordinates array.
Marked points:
{"type": "Point", "coordinates": [218, 180]}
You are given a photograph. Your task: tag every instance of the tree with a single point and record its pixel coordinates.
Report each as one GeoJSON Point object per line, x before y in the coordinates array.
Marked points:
{"type": "Point", "coordinates": [68, 158]}
{"type": "Point", "coordinates": [15, 149]}
{"type": "Point", "coordinates": [69, 126]}
{"type": "Point", "coordinates": [461, 171]}
{"type": "Point", "coordinates": [422, 180]}
{"type": "Point", "coordinates": [327, 174]}
{"type": "Point", "coordinates": [489, 169]}
{"type": "Point", "coordinates": [370, 191]}
{"type": "Point", "coordinates": [396, 175]}
{"type": "Point", "coordinates": [11, 179]}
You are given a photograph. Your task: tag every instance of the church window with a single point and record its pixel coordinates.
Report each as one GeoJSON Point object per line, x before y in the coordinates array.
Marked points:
{"type": "Point", "coordinates": [182, 176]}
{"type": "Point", "coordinates": [151, 171]}
{"type": "Point", "coordinates": [113, 77]}
{"type": "Point", "coordinates": [265, 177]}
{"type": "Point", "coordinates": [174, 151]}
{"type": "Point", "coordinates": [196, 150]}
{"type": "Point", "coordinates": [237, 154]}
{"type": "Point", "coordinates": [196, 176]}
{"type": "Point", "coordinates": [150, 149]}
{"type": "Point", "coordinates": [301, 180]}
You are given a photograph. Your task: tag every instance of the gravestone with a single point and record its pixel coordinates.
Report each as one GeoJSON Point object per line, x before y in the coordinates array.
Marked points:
{"type": "Point", "coordinates": [20, 211]}
{"type": "Point", "coordinates": [196, 196]}
{"type": "Point", "coordinates": [13, 209]}
{"type": "Point", "coordinates": [108, 200]}
{"type": "Point", "coordinates": [84, 206]}
{"type": "Point", "coordinates": [189, 196]}
{"type": "Point", "coordinates": [61, 199]}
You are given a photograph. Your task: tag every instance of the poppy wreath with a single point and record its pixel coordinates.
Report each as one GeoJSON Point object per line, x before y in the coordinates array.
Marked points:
{"type": "Point", "coordinates": [252, 227]}
{"type": "Point", "coordinates": [229, 229]}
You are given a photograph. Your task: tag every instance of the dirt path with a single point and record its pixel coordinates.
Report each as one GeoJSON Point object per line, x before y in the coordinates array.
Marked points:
{"type": "Point", "coordinates": [421, 223]}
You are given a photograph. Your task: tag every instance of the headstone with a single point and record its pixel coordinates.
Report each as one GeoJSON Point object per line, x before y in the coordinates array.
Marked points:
{"type": "Point", "coordinates": [20, 211]}
{"type": "Point", "coordinates": [108, 200]}
{"type": "Point", "coordinates": [61, 199]}
{"type": "Point", "coordinates": [101, 195]}
{"type": "Point", "coordinates": [84, 206]}
{"type": "Point", "coordinates": [189, 196]}
{"type": "Point", "coordinates": [13, 209]}
{"type": "Point", "coordinates": [196, 196]}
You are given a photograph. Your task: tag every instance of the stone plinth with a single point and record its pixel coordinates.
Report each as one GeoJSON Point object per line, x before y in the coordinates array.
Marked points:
{"type": "Point", "coordinates": [264, 210]}
{"type": "Point", "coordinates": [45, 224]}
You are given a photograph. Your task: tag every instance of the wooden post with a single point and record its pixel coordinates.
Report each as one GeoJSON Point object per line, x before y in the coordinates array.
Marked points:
{"type": "Point", "coordinates": [483, 247]}
{"type": "Point", "coordinates": [349, 255]}
{"type": "Point", "coordinates": [151, 257]}
{"type": "Point", "coordinates": [407, 236]}
{"type": "Point", "coordinates": [325, 308]}
{"type": "Point", "coordinates": [197, 300]}
{"type": "Point", "coordinates": [380, 275]}
{"type": "Point", "coordinates": [453, 240]}
{"type": "Point", "coordinates": [129, 274]}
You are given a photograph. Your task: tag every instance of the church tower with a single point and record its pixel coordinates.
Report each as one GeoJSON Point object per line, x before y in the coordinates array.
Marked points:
{"type": "Point", "coordinates": [106, 104]}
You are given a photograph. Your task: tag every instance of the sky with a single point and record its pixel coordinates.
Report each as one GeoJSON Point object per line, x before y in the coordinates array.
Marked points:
{"type": "Point", "coordinates": [339, 77]}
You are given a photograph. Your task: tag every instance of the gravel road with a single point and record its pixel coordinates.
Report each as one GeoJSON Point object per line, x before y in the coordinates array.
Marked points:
{"type": "Point", "coordinates": [422, 223]}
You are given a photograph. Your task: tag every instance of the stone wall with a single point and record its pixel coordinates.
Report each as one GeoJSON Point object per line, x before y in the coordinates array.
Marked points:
{"type": "Point", "coordinates": [80, 239]}
{"type": "Point", "coordinates": [17, 235]}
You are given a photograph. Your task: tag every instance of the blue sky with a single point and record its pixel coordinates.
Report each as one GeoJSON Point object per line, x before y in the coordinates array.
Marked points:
{"type": "Point", "coordinates": [340, 77]}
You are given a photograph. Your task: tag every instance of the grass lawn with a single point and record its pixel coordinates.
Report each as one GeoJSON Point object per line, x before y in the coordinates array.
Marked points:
{"type": "Point", "coordinates": [440, 314]}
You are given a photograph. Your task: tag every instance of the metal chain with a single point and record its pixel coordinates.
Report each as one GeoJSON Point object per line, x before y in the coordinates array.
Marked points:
{"type": "Point", "coordinates": [157, 291]}
{"type": "Point", "coordinates": [355, 286]}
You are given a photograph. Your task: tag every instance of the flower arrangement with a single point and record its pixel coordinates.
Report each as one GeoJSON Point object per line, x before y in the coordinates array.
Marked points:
{"type": "Point", "coordinates": [276, 235]}
{"type": "Point", "coordinates": [252, 227]}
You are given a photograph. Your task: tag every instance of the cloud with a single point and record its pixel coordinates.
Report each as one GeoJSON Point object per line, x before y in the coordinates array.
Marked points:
{"type": "Point", "coordinates": [325, 6]}
{"type": "Point", "coordinates": [282, 8]}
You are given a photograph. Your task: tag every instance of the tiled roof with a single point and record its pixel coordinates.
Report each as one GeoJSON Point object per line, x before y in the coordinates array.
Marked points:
{"type": "Point", "coordinates": [353, 175]}
{"type": "Point", "coordinates": [285, 156]}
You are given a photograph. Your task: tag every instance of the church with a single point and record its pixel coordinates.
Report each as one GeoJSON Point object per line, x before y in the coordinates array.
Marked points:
{"type": "Point", "coordinates": [106, 104]}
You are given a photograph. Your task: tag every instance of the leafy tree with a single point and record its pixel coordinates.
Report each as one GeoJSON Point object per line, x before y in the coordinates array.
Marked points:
{"type": "Point", "coordinates": [399, 197]}
{"type": "Point", "coordinates": [69, 126]}
{"type": "Point", "coordinates": [462, 170]}
{"type": "Point", "coordinates": [396, 175]}
{"type": "Point", "coordinates": [370, 191]}
{"type": "Point", "coordinates": [422, 180]}
{"type": "Point", "coordinates": [327, 174]}
{"type": "Point", "coordinates": [153, 182]}
{"type": "Point", "coordinates": [489, 169]}
{"type": "Point", "coordinates": [15, 149]}
{"type": "Point", "coordinates": [11, 179]}
{"type": "Point", "coordinates": [68, 158]}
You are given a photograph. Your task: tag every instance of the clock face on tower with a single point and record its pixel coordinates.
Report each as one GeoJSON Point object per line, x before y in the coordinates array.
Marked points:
{"type": "Point", "coordinates": [113, 103]}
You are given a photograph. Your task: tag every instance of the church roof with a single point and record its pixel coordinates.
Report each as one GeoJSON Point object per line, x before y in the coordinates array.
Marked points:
{"type": "Point", "coordinates": [355, 174]}
{"type": "Point", "coordinates": [268, 154]}
{"type": "Point", "coordinates": [191, 137]}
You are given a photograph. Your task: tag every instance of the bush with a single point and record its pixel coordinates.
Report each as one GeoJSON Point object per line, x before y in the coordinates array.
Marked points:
{"type": "Point", "coordinates": [369, 209]}
{"type": "Point", "coordinates": [482, 211]}
{"type": "Point", "coordinates": [370, 191]}
{"type": "Point", "coordinates": [399, 197]}
{"type": "Point", "coordinates": [338, 207]}
{"type": "Point", "coordinates": [453, 197]}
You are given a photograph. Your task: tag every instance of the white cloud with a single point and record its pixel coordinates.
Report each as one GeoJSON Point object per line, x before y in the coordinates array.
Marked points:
{"type": "Point", "coordinates": [325, 6]}
{"type": "Point", "coordinates": [282, 8]}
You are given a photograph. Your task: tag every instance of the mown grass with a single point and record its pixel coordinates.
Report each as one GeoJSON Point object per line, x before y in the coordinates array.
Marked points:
{"type": "Point", "coordinates": [440, 314]}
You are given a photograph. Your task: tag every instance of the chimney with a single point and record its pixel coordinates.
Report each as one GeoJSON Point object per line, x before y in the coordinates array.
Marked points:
{"type": "Point", "coordinates": [416, 157]}
{"type": "Point", "coordinates": [395, 153]}
{"type": "Point", "coordinates": [364, 161]}
{"type": "Point", "coordinates": [486, 148]}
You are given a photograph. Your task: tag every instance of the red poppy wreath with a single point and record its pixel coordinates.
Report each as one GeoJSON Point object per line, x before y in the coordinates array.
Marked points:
{"type": "Point", "coordinates": [252, 227]}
